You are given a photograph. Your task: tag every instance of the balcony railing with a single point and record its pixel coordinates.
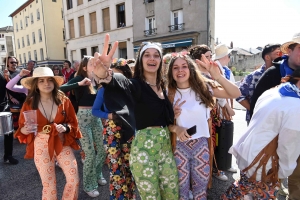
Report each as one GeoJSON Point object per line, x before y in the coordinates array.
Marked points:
{"type": "Point", "coordinates": [177, 27]}
{"type": "Point", "coordinates": [150, 32]}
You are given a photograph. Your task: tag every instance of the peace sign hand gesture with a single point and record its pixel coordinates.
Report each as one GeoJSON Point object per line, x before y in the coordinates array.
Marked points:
{"type": "Point", "coordinates": [177, 108]}
{"type": "Point", "coordinates": [211, 66]}
{"type": "Point", "coordinates": [101, 62]}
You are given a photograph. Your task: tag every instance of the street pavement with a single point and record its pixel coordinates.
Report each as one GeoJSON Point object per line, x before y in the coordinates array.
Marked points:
{"type": "Point", "coordinates": [22, 181]}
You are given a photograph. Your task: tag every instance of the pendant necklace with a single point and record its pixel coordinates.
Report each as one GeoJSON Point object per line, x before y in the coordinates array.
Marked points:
{"type": "Point", "coordinates": [151, 84]}
{"type": "Point", "coordinates": [47, 128]}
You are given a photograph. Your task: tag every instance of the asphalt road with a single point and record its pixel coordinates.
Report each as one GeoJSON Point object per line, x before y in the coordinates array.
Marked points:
{"type": "Point", "coordinates": [22, 182]}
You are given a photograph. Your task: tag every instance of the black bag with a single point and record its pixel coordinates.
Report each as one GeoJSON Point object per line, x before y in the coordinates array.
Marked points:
{"type": "Point", "coordinates": [224, 140]}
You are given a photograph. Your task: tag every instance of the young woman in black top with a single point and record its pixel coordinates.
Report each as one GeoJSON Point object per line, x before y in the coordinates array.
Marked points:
{"type": "Point", "coordinates": [90, 126]}
{"type": "Point", "coordinates": [149, 114]}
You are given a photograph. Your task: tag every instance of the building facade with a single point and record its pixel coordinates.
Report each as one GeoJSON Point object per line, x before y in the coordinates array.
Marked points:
{"type": "Point", "coordinates": [39, 32]}
{"type": "Point", "coordinates": [177, 24]}
{"type": "Point", "coordinates": [88, 21]}
{"type": "Point", "coordinates": [7, 45]}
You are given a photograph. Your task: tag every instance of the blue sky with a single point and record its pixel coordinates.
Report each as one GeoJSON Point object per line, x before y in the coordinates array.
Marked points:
{"type": "Point", "coordinates": [247, 23]}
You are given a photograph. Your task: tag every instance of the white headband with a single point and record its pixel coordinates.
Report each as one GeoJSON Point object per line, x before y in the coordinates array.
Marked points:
{"type": "Point", "coordinates": [151, 46]}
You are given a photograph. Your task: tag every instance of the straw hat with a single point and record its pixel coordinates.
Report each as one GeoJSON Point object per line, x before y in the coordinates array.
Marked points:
{"type": "Point", "coordinates": [285, 47]}
{"type": "Point", "coordinates": [41, 72]}
{"type": "Point", "coordinates": [220, 51]}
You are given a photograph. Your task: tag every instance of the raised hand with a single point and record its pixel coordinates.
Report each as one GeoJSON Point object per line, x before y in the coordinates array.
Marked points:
{"type": "Point", "coordinates": [24, 72]}
{"type": "Point", "coordinates": [177, 108]}
{"type": "Point", "coordinates": [84, 82]}
{"type": "Point", "coordinates": [6, 74]}
{"type": "Point", "coordinates": [101, 62]}
{"type": "Point", "coordinates": [211, 66]}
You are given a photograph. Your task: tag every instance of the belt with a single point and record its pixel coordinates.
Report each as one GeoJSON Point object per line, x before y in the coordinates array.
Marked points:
{"type": "Point", "coordinates": [85, 107]}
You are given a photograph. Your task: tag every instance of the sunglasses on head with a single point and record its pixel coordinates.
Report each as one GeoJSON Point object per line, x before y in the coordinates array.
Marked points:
{"type": "Point", "coordinates": [13, 63]}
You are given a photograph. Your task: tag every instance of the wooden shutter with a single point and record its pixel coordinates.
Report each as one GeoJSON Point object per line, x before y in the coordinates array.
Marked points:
{"type": "Point", "coordinates": [81, 26]}
{"type": "Point", "coordinates": [71, 27]}
{"type": "Point", "coordinates": [93, 21]}
{"type": "Point", "coordinates": [106, 19]}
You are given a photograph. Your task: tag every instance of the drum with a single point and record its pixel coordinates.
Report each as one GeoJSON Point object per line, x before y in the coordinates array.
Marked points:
{"type": "Point", "coordinates": [5, 123]}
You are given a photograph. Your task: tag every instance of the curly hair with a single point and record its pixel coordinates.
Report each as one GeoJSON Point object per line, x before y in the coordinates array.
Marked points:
{"type": "Point", "coordinates": [139, 68]}
{"type": "Point", "coordinates": [197, 50]}
{"type": "Point", "coordinates": [196, 81]}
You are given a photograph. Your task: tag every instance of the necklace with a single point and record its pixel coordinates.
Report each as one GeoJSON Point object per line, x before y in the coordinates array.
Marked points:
{"type": "Point", "coordinates": [151, 84]}
{"type": "Point", "coordinates": [47, 128]}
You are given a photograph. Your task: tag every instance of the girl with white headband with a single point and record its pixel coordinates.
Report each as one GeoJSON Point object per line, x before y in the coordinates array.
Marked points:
{"type": "Point", "coordinates": [149, 114]}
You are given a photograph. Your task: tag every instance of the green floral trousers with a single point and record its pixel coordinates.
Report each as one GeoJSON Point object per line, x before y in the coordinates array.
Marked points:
{"type": "Point", "coordinates": [91, 129]}
{"type": "Point", "coordinates": [153, 165]}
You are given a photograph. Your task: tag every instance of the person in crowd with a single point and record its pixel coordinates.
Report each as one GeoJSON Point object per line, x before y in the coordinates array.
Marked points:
{"type": "Point", "coordinates": [15, 102]}
{"type": "Point", "coordinates": [196, 52]}
{"type": "Point", "coordinates": [90, 126]}
{"type": "Point", "coordinates": [117, 148]}
{"type": "Point", "coordinates": [67, 70]}
{"type": "Point", "coordinates": [131, 64]}
{"type": "Point", "coordinates": [147, 110]}
{"type": "Point", "coordinates": [194, 97]}
{"type": "Point", "coordinates": [57, 131]}
{"type": "Point", "coordinates": [13, 83]}
{"type": "Point", "coordinates": [57, 71]}
{"type": "Point", "coordinates": [222, 58]}
{"type": "Point", "coordinates": [247, 85]}
{"type": "Point", "coordinates": [76, 64]}
{"type": "Point", "coordinates": [30, 66]}
{"type": "Point", "coordinates": [269, 149]}
{"type": "Point", "coordinates": [282, 67]}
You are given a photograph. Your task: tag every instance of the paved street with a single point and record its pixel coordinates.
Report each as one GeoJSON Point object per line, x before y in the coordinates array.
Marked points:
{"type": "Point", "coordinates": [22, 182]}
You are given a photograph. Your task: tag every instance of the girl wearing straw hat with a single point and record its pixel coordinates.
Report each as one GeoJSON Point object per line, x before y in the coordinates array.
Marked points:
{"type": "Point", "coordinates": [57, 131]}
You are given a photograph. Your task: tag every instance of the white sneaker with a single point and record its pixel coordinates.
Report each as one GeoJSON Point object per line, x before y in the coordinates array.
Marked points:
{"type": "Point", "coordinates": [102, 181]}
{"type": "Point", "coordinates": [191, 197]}
{"type": "Point", "coordinates": [93, 193]}
{"type": "Point", "coordinates": [233, 170]}
{"type": "Point", "coordinates": [221, 176]}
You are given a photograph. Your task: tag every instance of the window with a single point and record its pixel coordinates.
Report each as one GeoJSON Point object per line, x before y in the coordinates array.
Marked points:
{"type": "Point", "coordinates": [20, 58]}
{"type": "Point", "coordinates": [21, 25]}
{"type": "Point", "coordinates": [106, 19]}
{"type": "Point", "coordinates": [65, 52]}
{"type": "Point", "coordinates": [23, 43]}
{"type": "Point", "coordinates": [26, 21]}
{"type": "Point", "coordinates": [36, 1]}
{"type": "Point", "coordinates": [35, 55]}
{"type": "Point", "coordinates": [123, 50]}
{"type": "Point", "coordinates": [83, 52]}
{"type": "Point", "coordinates": [29, 55]}
{"type": "Point", "coordinates": [2, 47]}
{"type": "Point", "coordinates": [40, 35]}
{"type": "Point", "coordinates": [42, 54]}
{"type": "Point", "coordinates": [69, 4]}
{"type": "Point", "coordinates": [24, 56]}
{"type": "Point", "coordinates": [150, 26]}
{"type": "Point", "coordinates": [53, 0]}
{"type": "Point", "coordinates": [31, 18]}
{"type": "Point", "coordinates": [28, 41]}
{"type": "Point", "coordinates": [64, 36]}
{"type": "Point", "coordinates": [121, 15]}
{"type": "Point", "coordinates": [79, 2]}
{"type": "Point", "coordinates": [93, 22]}
{"type": "Point", "coordinates": [71, 28]}
{"type": "Point", "coordinates": [148, 1]}
{"type": "Point", "coordinates": [33, 37]}
{"type": "Point", "coordinates": [176, 20]}
{"type": "Point", "coordinates": [17, 27]}
{"type": "Point", "coordinates": [37, 14]}
{"type": "Point", "coordinates": [18, 44]}
{"type": "Point", "coordinates": [94, 50]}
{"type": "Point", "coordinates": [81, 26]}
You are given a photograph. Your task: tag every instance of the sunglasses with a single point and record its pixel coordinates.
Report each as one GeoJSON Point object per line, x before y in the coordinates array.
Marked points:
{"type": "Point", "coordinates": [55, 69]}
{"type": "Point", "coordinates": [13, 63]}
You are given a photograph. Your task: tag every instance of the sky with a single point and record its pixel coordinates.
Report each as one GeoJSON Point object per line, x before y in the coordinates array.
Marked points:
{"type": "Point", "coordinates": [247, 23]}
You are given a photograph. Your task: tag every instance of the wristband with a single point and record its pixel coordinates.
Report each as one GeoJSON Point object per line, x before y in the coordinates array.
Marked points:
{"type": "Point", "coordinates": [67, 128]}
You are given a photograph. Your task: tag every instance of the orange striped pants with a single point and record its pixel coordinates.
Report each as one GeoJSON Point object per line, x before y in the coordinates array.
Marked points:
{"type": "Point", "coordinates": [46, 169]}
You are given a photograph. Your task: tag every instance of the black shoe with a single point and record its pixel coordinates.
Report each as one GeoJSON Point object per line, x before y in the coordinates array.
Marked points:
{"type": "Point", "coordinates": [11, 160]}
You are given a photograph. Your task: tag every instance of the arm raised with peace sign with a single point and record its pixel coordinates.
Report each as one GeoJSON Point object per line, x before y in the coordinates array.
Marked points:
{"type": "Point", "coordinates": [101, 62]}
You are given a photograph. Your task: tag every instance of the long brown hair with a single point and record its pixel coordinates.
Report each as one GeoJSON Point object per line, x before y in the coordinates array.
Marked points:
{"type": "Point", "coordinates": [196, 81]}
{"type": "Point", "coordinates": [34, 96]}
{"type": "Point", "coordinates": [139, 68]}
{"type": "Point", "coordinates": [83, 73]}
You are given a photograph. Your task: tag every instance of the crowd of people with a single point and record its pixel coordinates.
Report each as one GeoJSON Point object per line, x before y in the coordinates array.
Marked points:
{"type": "Point", "coordinates": [154, 121]}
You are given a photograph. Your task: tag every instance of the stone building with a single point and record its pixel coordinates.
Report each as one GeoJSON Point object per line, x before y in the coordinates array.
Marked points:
{"type": "Point", "coordinates": [39, 32]}
{"type": "Point", "coordinates": [7, 45]}
{"type": "Point", "coordinates": [88, 21]}
{"type": "Point", "coordinates": [177, 24]}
